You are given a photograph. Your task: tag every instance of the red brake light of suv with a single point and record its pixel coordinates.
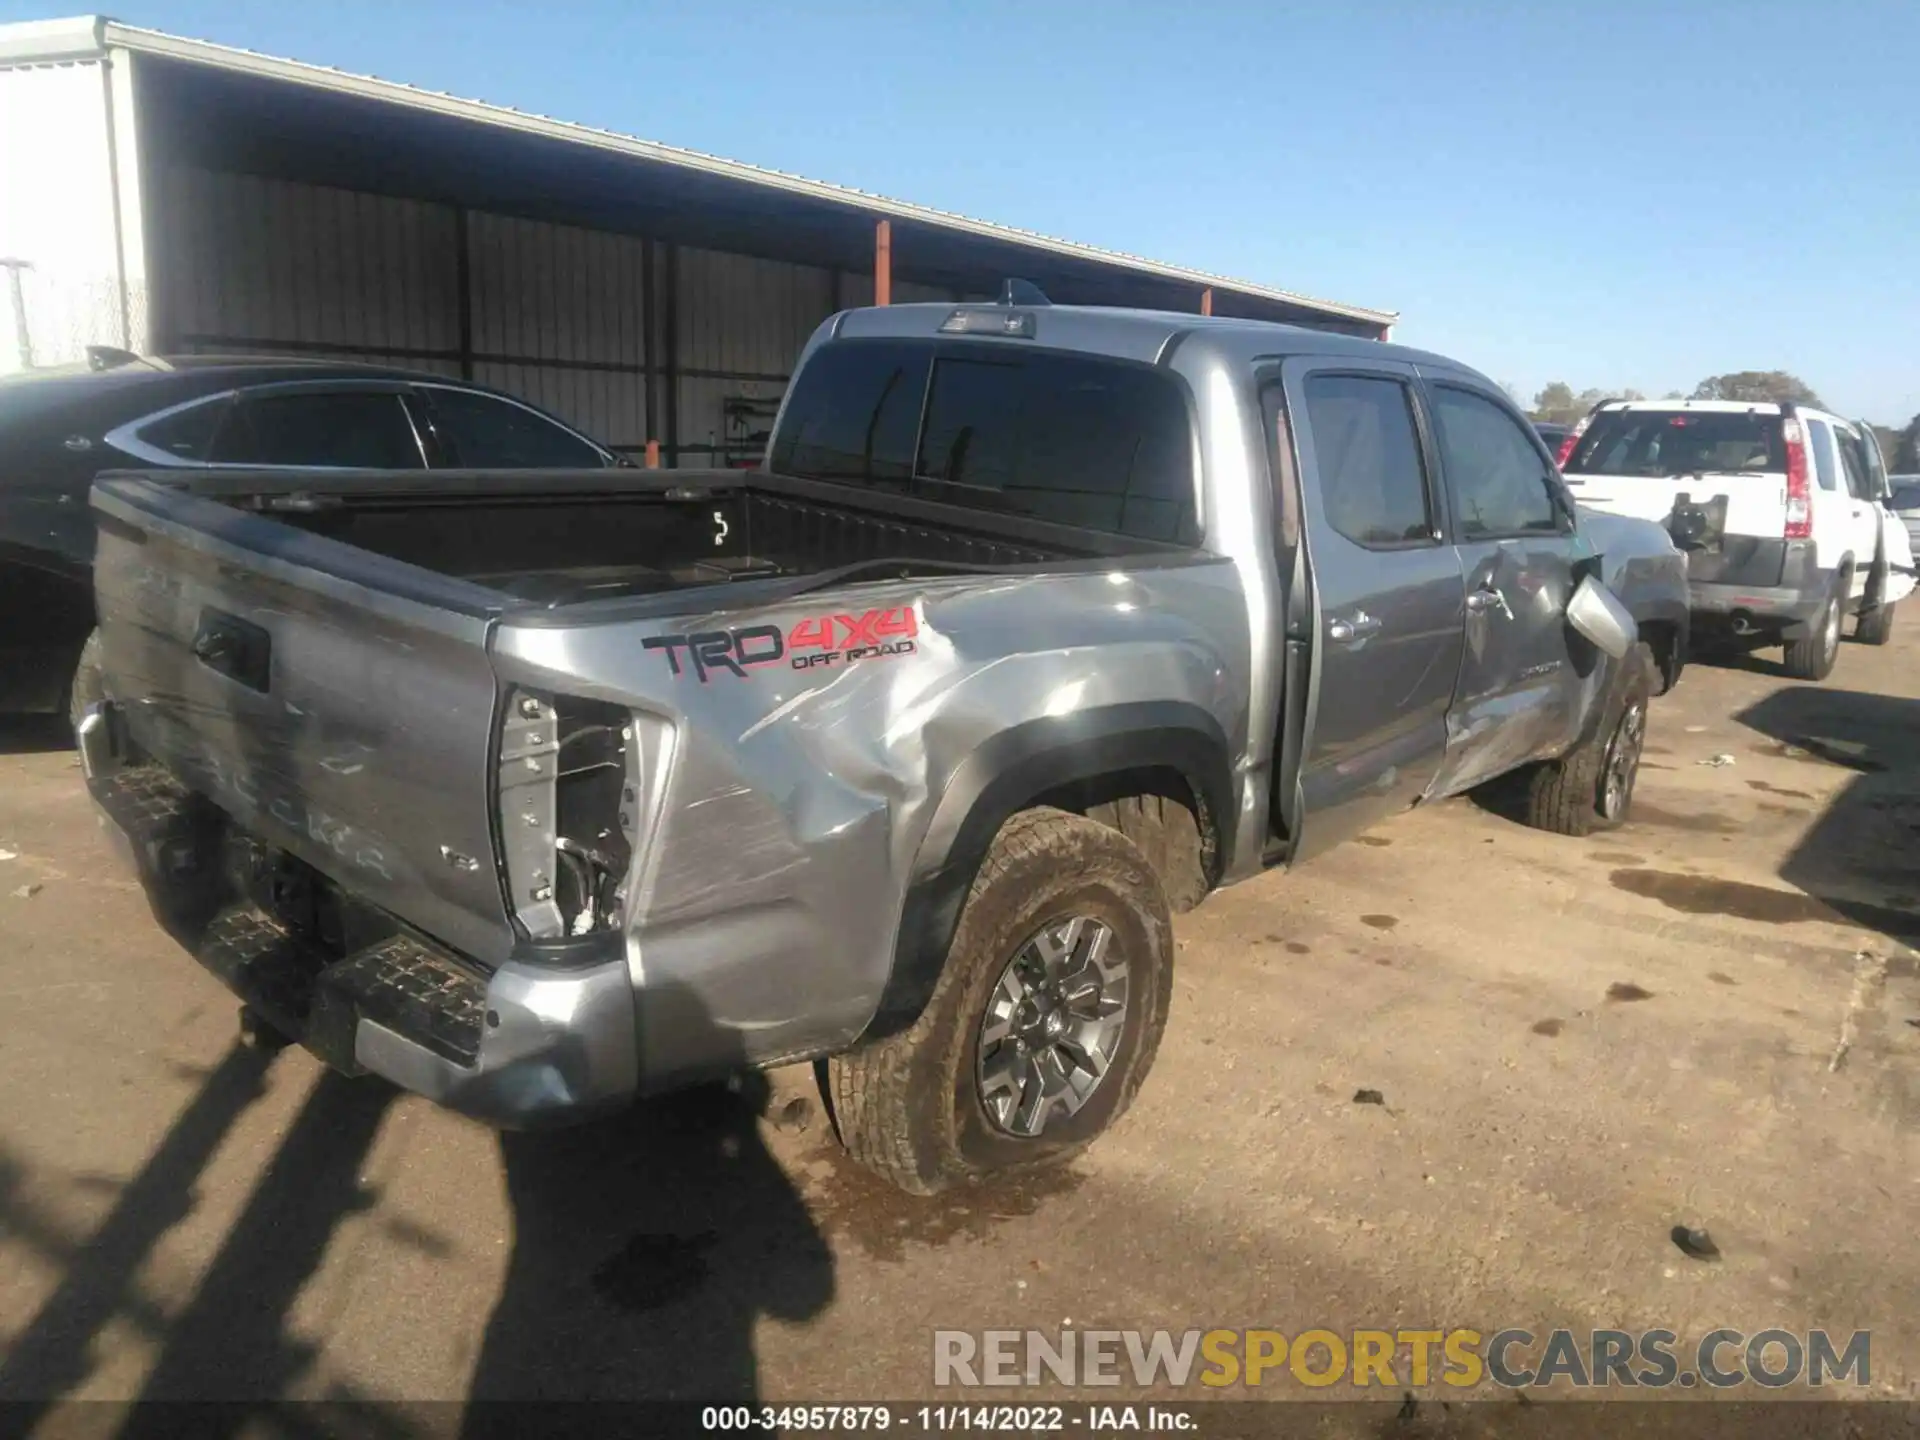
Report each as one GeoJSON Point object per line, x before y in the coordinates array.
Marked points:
{"type": "Point", "coordinates": [1573, 439]}
{"type": "Point", "coordinates": [1799, 496]}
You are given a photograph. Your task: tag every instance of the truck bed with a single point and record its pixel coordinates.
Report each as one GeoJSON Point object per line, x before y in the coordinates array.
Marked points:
{"type": "Point", "coordinates": [560, 538]}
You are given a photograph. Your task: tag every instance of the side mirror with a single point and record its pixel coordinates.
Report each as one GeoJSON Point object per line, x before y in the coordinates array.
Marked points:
{"type": "Point", "coordinates": [1598, 614]}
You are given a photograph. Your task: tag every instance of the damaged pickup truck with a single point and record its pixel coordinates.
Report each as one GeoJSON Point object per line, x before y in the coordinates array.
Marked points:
{"type": "Point", "coordinates": [537, 792]}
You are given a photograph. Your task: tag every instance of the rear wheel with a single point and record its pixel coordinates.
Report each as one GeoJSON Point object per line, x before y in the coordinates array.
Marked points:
{"type": "Point", "coordinates": [1811, 657]}
{"type": "Point", "coordinates": [1875, 626]}
{"type": "Point", "coordinates": [1044, 1022]}
{"type": "Point", "coordinates": [1591, 787]}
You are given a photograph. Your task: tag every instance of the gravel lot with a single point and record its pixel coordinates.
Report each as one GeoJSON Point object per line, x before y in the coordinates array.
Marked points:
{"type": "Point", "coordinates": [1706, 1018]}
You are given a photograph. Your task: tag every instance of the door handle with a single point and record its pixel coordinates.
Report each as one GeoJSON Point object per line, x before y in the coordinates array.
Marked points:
{"type": "Point", "coordinates": [1479, 602]}
{"type": "Point", "coordinates": [1346, 632]}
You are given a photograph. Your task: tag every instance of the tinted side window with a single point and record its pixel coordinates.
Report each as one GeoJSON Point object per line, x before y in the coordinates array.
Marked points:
{"type": "Point", "coordinates": [1853, 457]}
{"type": "Point", "coordinates": [1372, 481]}
{"type": "Point", "coordinates": [185, 433]}
{"type": "Point", "coordinates": [483, 432]}
{"type": "Point", "coordinates": [1495, 472]}
{"type": "Point", "coordinates": [367, 430]}
{"type": "Point", "coordinates": [1067, 438]}
{"type": "Point", "coordinates": [1820, 435]}
{"type": "Point", "coordinates": [853, 412]}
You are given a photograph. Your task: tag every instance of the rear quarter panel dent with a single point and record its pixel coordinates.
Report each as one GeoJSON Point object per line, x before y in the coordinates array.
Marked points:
{"type": "Point", "coordinates": [799, 800]}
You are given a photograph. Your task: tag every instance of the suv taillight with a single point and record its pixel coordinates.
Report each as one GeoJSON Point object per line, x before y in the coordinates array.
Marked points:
{"type": "Point", "coordinates": [1573, 439]}
{"type": "Point", "coordinates": [1799, 496]}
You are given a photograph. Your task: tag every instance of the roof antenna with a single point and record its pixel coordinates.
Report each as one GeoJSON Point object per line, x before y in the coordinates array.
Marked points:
{"type": "Point", "coordinates": [1022, 292]}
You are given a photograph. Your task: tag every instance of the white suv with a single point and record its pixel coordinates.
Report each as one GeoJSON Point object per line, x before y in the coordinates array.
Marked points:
{"type": "Point", "coordinates": [1781, 511]}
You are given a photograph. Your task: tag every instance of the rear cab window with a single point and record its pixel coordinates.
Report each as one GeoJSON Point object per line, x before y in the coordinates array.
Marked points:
{"type": "Point", "coordinates": [1080, 440]}
{"type": "Point", "coordinates": [1661, 443]}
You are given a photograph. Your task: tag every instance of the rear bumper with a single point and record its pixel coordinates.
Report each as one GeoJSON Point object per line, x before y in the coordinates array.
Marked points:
{"type": "Point", "coordinates": [1776, 584]}
{"type": "Point", "coordinates": [523, 1046]}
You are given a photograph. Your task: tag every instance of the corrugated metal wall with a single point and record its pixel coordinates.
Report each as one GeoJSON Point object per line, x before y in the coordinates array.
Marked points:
{"type": "Point", "coordinates": [248, 264]}
{"type": "Point", "coordinates": [740, 325]}
{"type": "Point", "coordinates": [555, 314]}
{"type": "Point", "coordinates": [559, 317]}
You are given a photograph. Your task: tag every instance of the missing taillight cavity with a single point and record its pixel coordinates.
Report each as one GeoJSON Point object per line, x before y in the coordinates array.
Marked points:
{"type": "Point", "coordinates": [568, 786]}
{"type": "Point", "coordinates": [592, 787]}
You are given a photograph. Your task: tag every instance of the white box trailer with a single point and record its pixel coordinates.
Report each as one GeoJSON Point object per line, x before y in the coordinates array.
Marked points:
{"type": "Point", "coordinates": [167, 195]}
{"type": "Point", "coordinates": [70, 218]}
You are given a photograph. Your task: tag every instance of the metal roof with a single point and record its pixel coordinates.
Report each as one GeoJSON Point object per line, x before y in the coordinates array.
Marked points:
{"type": "Point", "coordinates": [92, 36]}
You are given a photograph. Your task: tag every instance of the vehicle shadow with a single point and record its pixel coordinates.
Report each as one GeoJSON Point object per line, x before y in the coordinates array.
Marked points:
{"type": "Point", "coordinates": [230, 1341]}
{"type": "Point", "coordinates": [646, 1249]}
{"type": "Point", "coordinates": [34, 734]}
{"type": "Point", "coordinates": [1727, 652]}
{"type": "Point", "coordinates": [1861, 857]}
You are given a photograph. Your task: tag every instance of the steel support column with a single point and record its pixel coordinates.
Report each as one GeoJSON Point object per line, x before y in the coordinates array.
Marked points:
{"type": "Point", "coordinates": [463, 284]}
{"type": "Point", "coordinates": [883, 263]}
{"type": "Point", "coordinates": [670, 342]}
{"type": "Point", "coordinates": [649, 372]}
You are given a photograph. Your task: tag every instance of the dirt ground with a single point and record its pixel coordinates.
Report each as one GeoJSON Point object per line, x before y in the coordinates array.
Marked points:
{"type": "Point", "coordinates": [1705, 1019]}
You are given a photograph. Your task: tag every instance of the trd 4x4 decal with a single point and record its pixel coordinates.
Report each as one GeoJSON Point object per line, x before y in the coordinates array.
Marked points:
{"type": "Point", "coordinates": [814, 642]}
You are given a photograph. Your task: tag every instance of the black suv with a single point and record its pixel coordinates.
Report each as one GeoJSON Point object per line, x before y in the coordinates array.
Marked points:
{"type": "Point", "coordinates": [61, 426]}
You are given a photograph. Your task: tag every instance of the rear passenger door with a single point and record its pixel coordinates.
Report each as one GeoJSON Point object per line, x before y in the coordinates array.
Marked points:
{"type": "Point", "coordinates": [1385, 597]}
{"type": "Point", "coordinates": [1518, 695]}
{"type": "Point", "coordinates": [1862, 510]}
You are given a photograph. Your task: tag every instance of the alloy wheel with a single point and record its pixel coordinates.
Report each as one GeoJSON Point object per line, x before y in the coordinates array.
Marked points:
{"type": "Point", "coordinates": [1052, 1026]}
{"type": "Point", "coordinates": [1623, 761]}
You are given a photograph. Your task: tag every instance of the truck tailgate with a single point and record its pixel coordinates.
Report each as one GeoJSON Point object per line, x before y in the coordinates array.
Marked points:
{"type": "Point", "coordinates": [336, 703]}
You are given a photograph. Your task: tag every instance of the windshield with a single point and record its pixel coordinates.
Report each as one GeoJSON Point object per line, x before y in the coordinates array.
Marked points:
{"type": "Point", "coordinates": [1679, 442]}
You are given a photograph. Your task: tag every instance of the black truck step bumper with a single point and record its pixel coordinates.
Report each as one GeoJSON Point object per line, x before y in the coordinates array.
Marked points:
{"type": "Point", "coordinates": [520, 1046]}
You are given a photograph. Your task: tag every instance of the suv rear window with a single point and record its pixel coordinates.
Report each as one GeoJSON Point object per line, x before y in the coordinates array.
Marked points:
{"type": "Point", "coordinates": [1678, 442]}
{"type": "Point", "coordinates": [1072, 439]}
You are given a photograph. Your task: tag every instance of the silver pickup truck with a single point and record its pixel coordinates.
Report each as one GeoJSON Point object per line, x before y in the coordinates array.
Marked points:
{"type": "Point", "coordinates": [536, 792]}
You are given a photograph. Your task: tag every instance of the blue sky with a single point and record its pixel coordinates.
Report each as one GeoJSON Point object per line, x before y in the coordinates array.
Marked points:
{"type": "Point", "coordinates": [1635, 194]}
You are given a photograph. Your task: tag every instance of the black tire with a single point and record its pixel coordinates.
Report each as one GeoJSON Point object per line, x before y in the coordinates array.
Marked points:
{"type": "Point", "coordinates": [88, 686]}
{"type": "Point", "coordinates": [910, 1106]}
{"type": "Point", "coordinates": [1875, 626]}
{"type": "Point", "coordinates": [1168, 834]}
{"type": "Point", "coordinates": [1811, 657]}
{"type": "Point", "coordinates": [1572, 795]}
